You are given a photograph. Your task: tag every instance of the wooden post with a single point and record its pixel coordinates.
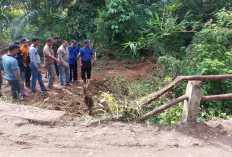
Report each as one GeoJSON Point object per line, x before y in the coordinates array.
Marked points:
{"type": "Point", "coordinates": [191, 106]}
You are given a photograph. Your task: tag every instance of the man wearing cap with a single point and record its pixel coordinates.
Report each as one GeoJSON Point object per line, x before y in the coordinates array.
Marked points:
{"type": "Point", "coordinates": [55, 48]}
{"type": "Point", "coordinates": [63, 55]}
{"type": "Point", "coordinates": [12, 71]}
{"type": "Point", "coordinates": [73, 53]}
{"type": "Point", "coordinates": [21, 65]}
{"type": "Point", "coordinates": [49, 60]}
{"type": "Point", "coordinates": [35, 66]}
{"type": "Point", "coordinates": [86, 56]}
{"type": "Point", "coordinates": [26, 60]}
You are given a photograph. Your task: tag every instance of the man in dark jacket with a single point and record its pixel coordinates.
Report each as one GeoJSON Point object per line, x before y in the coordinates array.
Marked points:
{"type": "Point", "coordinates": [22, 67]}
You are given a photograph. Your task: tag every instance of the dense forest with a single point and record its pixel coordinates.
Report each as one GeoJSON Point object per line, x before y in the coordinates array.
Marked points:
{"type": "Point", "coordinates": [185, 37]}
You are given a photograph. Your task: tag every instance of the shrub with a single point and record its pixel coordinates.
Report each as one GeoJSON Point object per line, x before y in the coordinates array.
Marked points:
{"type": "Point", "coordinates": [210, 54]}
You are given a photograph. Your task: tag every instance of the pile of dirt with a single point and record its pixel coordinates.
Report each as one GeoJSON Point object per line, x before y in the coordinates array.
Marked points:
{"type": "Point", "coordinates": [71, 99]}
{"type": "Point", "coordinates": [130, 71]}
{"type": "Point", "coordinates": [27, 131]}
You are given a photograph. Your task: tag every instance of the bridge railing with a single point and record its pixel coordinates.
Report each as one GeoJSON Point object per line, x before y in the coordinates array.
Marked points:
{"type": "Point", "coordinates": [192, 98]}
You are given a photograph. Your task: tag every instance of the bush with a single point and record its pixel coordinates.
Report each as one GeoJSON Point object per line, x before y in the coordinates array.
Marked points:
{"type": "Point", "coordinates": [116, 23]}
{"type": "Point", "coordinates": [210, 54]}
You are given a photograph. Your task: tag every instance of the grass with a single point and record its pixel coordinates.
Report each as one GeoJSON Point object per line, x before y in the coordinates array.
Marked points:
{"type": "Point", "coordinates": [125, 98]}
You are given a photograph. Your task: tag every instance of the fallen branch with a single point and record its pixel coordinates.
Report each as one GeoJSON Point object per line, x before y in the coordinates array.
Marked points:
{"type": "Point", "coordinates": [163, 107]}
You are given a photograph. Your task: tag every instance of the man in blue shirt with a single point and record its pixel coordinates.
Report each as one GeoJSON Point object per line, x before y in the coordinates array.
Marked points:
{"type": "Point", "coordinates": [73, 53]}
{"type": "Point", "coordinates": [12, 70]}
{"type": "Point", "coordinates": [1, 68]}
{"type": "Point", "coordinates": [86, 56]}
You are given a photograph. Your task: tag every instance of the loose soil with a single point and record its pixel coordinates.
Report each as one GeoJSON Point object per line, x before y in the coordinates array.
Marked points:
{"type": "Point", "coordinates": [71, 99]}
{"type": "Point", "coordinates": [33, 132]}
{"type": "Point", "coordinates": [47, 124]}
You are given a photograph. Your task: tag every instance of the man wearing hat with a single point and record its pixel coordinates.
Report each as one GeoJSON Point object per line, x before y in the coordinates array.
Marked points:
{"type": "Point", "coordinates": [26, 60]}
{"type": "Point", "coordinates": [86, 57]}
{"type": "Point", "coordinates": [73, 53]}
{"type": "Point", "coordinates": [49, 62]}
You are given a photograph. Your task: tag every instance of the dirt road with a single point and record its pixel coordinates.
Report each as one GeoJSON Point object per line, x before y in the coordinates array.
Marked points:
{"type": "Point", "coordinates": [33, 132]}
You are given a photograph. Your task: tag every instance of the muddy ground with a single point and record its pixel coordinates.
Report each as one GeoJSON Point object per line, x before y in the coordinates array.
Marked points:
{"type": "Point", "coordinates": [33, 132]}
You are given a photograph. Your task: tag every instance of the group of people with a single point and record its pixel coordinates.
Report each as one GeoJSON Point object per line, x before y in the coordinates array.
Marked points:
{"type": "Point", "coordinates": [22, 64]}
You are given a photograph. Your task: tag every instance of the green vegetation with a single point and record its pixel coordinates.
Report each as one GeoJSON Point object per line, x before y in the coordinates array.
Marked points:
{"type": "Point", "coordinates": [184, 37]}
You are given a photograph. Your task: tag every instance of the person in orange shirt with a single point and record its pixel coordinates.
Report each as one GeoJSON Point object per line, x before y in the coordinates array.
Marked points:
{"type": "Point", "coordinates": [26, 60]}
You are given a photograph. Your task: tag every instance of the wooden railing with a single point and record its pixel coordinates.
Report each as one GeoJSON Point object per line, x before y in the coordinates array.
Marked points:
{"type": "Point", "coordinates": [192, 98]}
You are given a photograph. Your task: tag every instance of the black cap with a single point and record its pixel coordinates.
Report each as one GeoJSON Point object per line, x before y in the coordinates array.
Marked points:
{"type": "Point", "coordinates": [54, 38]}
{"type": "Point", "coordinates": [17, 42]}
{"type": "Point", "coordinates": [12, 46]}
{"type": "Point", "coordinates": [74, 41]}
{"type": "Point", "coordinates": [23, 40]}
{"type": "Point", "coordinates": [49, 40]}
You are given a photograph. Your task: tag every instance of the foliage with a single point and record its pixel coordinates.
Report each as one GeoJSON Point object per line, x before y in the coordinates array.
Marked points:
{"type": "Point", "coordinates": [81, 20]}
{"type": "Point", "coordinates": [171, 115]}
{"type": "Point", "coordinates": [115, 24]}
{"type": "Point", "coordinates": [184, 37]}
{"type": "Point", "coordinates": [201, 10]}
{"type": "Point", "coordinates": [210, 54]}
{"type": "Point", "coordinates": [159, 31]}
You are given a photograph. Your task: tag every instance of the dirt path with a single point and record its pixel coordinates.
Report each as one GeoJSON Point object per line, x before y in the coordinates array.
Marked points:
{"type": "Point", "coordinates": [33, 132]}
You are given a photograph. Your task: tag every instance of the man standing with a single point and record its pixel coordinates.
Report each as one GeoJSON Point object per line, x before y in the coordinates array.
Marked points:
{"type": "Point", "coordinates": [64, 66]}
{"type": "Point", "coordinates": [49, 60]}
{"type": "Point", "coordinates": [35, 66]}
{"type": "Point", "coordinates": [73, 53]}
{"type": "Point", "coordinates": [12, 70]}
{"type": "Point", "coordinates": [55, 48]}
{"type": "Point", "coordinates": [21, 65]}
{"type": "Point", "coordinates": [86, 56]}
{"type": "Point", "coordinates": [26, 60]}
{"type": "Point", "coordinates": [1, 68]}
